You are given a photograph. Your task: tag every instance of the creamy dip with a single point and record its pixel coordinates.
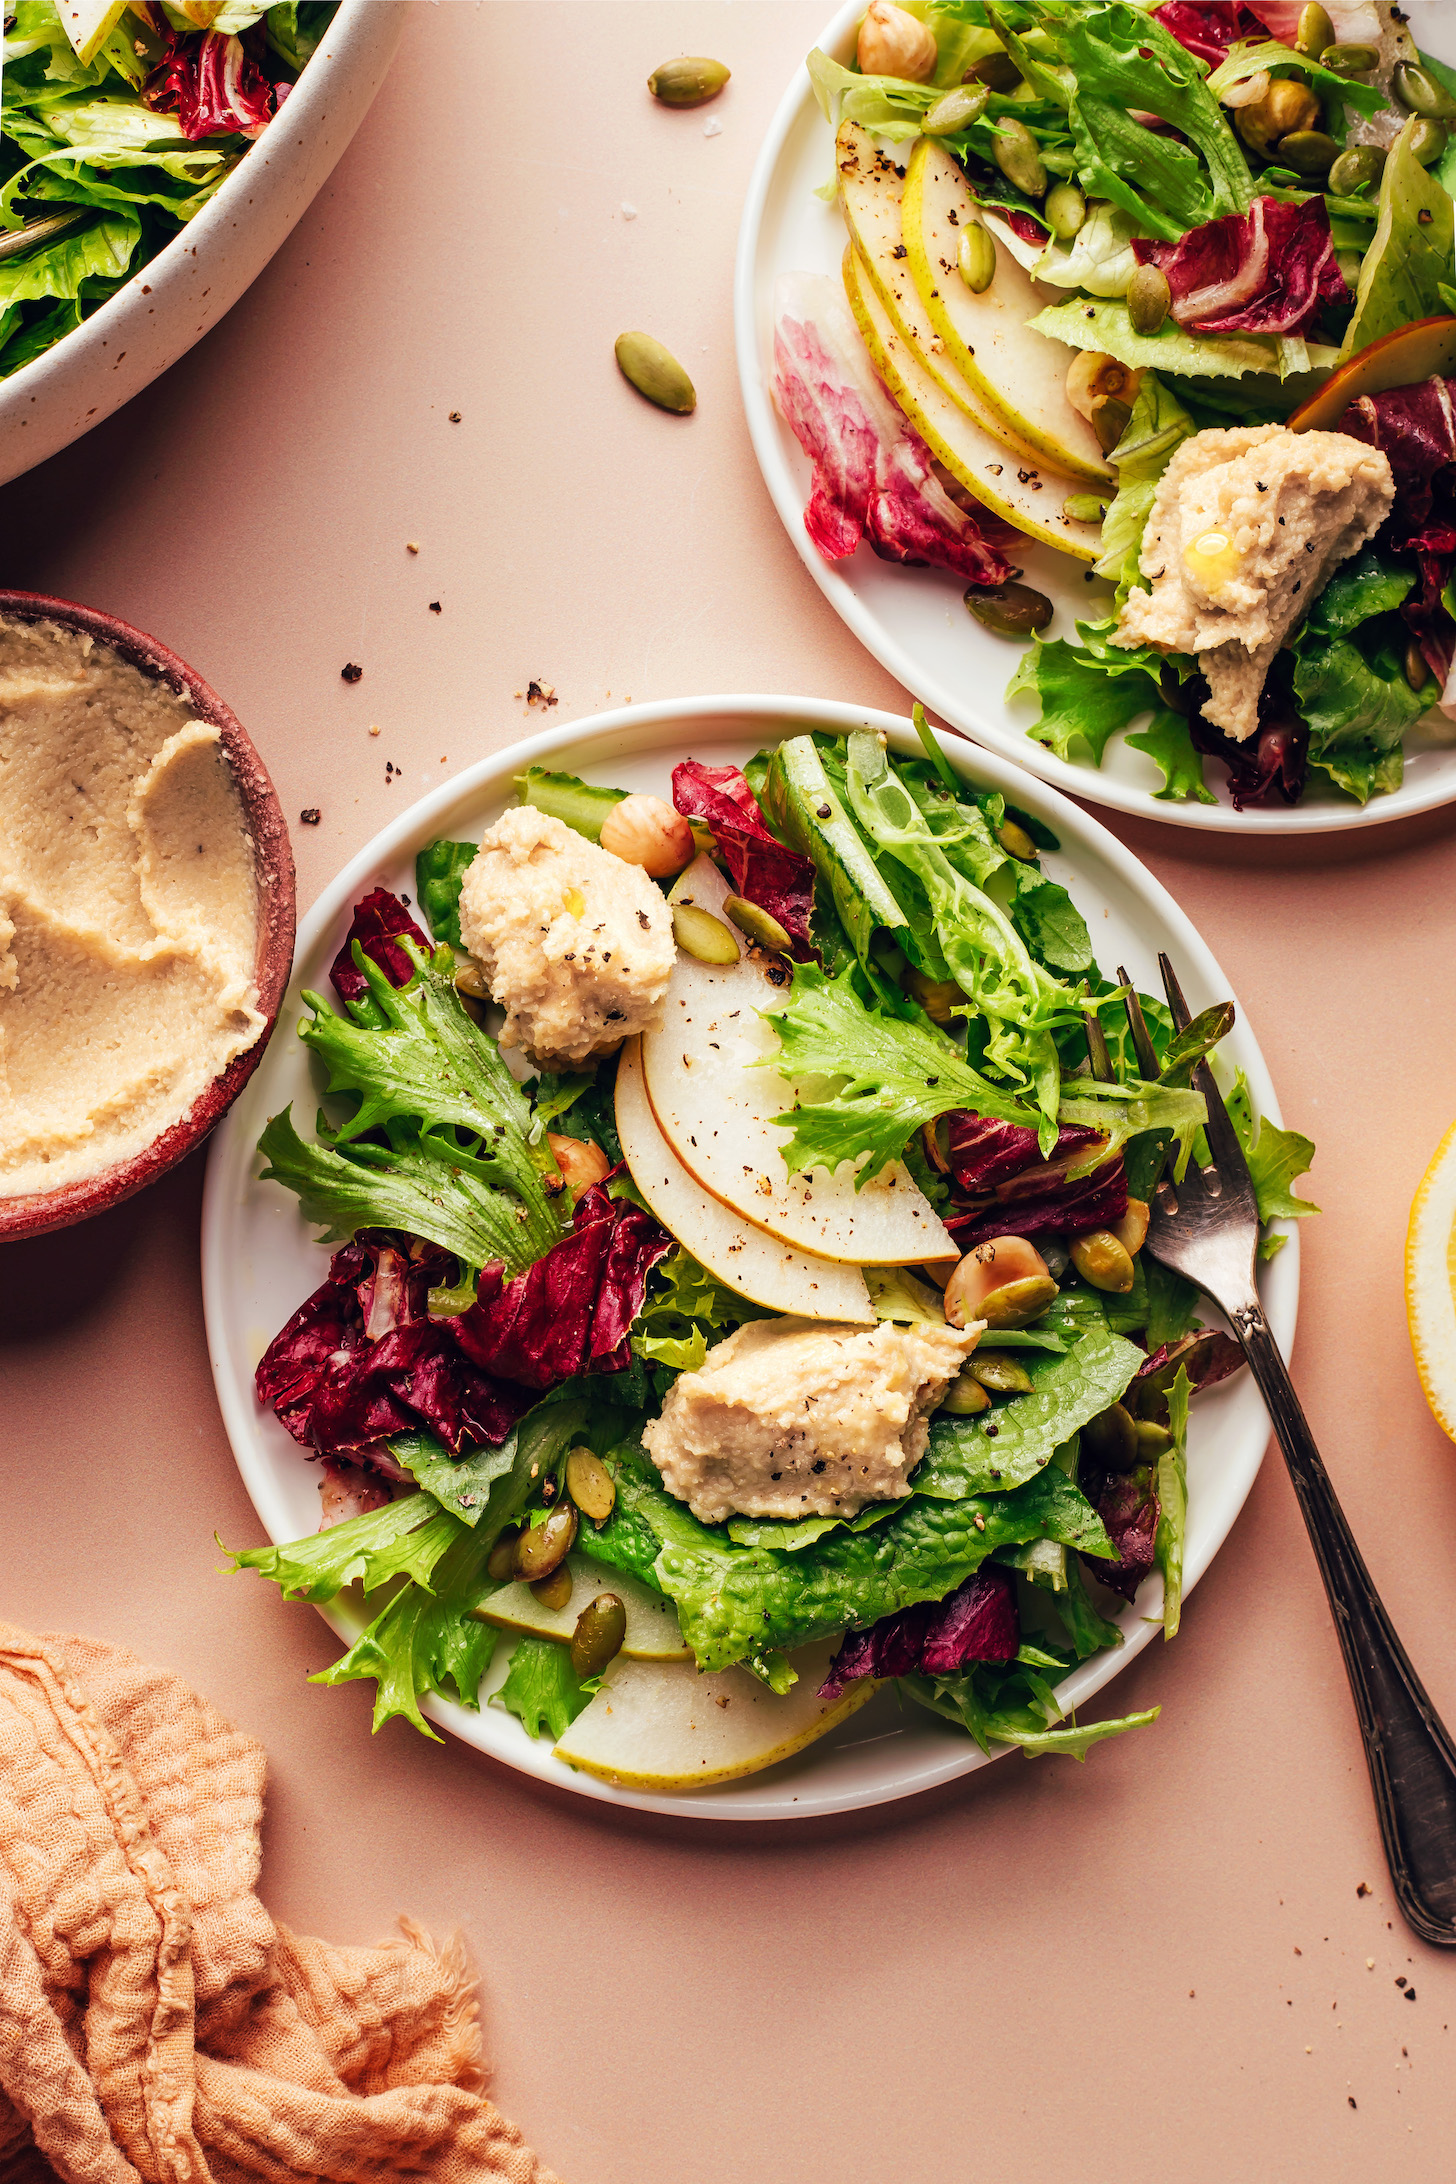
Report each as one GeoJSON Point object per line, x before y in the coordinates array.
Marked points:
{"type": "Point", "coordinates": [128, 909]}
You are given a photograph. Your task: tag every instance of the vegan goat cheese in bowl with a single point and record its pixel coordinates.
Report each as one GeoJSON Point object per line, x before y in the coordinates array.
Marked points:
{"type": "Point", "coordinates": [146, 911]}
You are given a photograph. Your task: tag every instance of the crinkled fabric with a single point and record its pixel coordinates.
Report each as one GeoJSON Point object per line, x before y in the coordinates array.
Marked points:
{"type": "Point", "coordinates": [156, 2025]}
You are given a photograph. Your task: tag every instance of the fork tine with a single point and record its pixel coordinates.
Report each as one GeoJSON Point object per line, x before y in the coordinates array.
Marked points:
{"type": "Point", "coordinates": [1099, 1060]}
{"type": "Point", "coordinates": [1223, 1143]}
{"type": "Point", "coordinates": [1142, 1045]}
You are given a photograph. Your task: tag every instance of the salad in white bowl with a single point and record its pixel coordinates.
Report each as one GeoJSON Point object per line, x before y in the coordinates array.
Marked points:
{"type": "Point", "coordinates": [1166, 290]}
{"type": "Point", "coordinates": [733, 1298]}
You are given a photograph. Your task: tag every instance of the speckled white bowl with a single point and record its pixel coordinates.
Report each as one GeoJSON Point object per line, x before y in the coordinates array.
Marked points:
{"type": "Point", "coordinates": [186, 288]}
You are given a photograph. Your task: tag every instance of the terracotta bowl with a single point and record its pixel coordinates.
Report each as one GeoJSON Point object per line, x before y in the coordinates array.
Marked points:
{"type": "Point", "coordinates": [273, 868]}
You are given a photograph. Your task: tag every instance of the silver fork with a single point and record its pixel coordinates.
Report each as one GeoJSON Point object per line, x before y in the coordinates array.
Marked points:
{"type": "Point", "coordinates": [1206, 1228]}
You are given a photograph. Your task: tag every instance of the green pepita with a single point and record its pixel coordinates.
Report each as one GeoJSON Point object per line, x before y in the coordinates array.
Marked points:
{"type": "Point", "coordinates": [762, 928]}
{"type": "Point", "coordinates": [1361, 164]}
{"type": "Point", "coordinates": [1000, 1373]}
{"type": "Point", "coordinates": [1110, 420]}
{"type": "Point", "coordinates": [1017, 154]}
{"type": "Point", "coordinates": [601, 1631]}
{"type": "Point", "coordinates": [1428, 140]}
{"type": "Point", "coordinates": [1418, 91]}
{"type": "Point", "coordinates": [957, 110]}
{"type": "Point", "coordinates": [1085, 507]}
{"type": "Point", "coordinates": [1151, 1440]}
{"type": "Point", "coordinates": [1016, 842]}
{"type": "Point", "coordinates": [1017, 1304]}
{"type": "Point", "coordinates": [1417, 671]}
{"type": "Point", "coordinates": [939, 997]}
{"type": "Point", "coordinates": [1011, 610]}
{"type": "Point", "coordinates": [554, 1591]}
{"type": "Point", "coordinates": [1349, 60]}
{"type": "Point", "coordinates": [688, 81]}
{"type": "Point", "coordinates": [1066, 211]}
{"type": "Point", "coordinates": [702, 936]}
{"type": "Point", "coordinates": [1101, 1260]}
{"type": "Point", "coordinates": [965, 1396]}
{"type": "Point", "coordinates": [1149, 299]}
{"type": "Point", "coordinates": [590, 1484]}
{"type": "Point", "coordinates": [1309, 152]}
{"type": "Point", "coordinates": [1110, 1439]}
{"type": "Point", "coordinates": [1316, 32]}
{"type": "Point", "coordinates": [546, 1546]}
{"type": "Point", "coordinates": [656, 373]}
{"type": "Point", "coordinates": [976, 259]}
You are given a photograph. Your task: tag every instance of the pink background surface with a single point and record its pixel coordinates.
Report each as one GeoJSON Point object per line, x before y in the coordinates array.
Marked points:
{"type": "Point", "coordinates": [1154, 1965]}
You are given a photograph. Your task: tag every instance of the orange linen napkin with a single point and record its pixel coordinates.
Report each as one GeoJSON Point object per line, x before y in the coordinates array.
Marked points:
{"type": "Point", "coordinates": [154, 2022]}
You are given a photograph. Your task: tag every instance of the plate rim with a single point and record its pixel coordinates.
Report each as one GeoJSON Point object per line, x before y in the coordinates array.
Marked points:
{"type": "Point", "coordinates": [766, 432]}
{"type": "Point", "coordinates": [230, 1174]}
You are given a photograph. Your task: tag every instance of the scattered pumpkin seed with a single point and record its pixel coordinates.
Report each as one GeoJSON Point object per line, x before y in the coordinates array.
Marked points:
{"type": "Point", "coordinates": [656, 373]}
{"type": "Point", "coordinates": [1418, 90]}
{"type": "Point", "coordinates": [1362, 163]}
{"type": "Point", "coordinates": [760, 925]}
{"type": "Point", "coordinates": [601, 1631]}
{"type": "Point", "coordinates": [1316, 32]}
{"type": "Point", "coordinates": [688, 81]}
{"type": "Point", "coordinates": [590, 1484]}
{"type": "Point", "coordinates": [1149, 299]}
{"type": "Point", "coordinates": [1011, 610]}
{"type": "Point", "coordinates": [961, 106]}
{"type": "Point", "coordinates": [1066, 211]}
{"type": "Point", "coordinates": [976, 258]}
{"type": "Point", "coordinates": [1017, 154]}
{"type": "Point", "coordinates": [702, 936]}
{"type": "Point", "coordinates": [1085, 507]}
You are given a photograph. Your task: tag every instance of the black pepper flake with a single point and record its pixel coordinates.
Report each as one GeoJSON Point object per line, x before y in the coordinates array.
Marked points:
{"type": "Point", "coordinates": [1350, 2098]}
{"type": "Point", "coordinates": [991, 1433]}
{"type": "Point", "coordinates": [817, 1466]}
{"type": "Point", "coordinates": [310, 818]}
{"type": "Point", "coordinates": [1423, 217]}
{"type": "Point", "coordinates": [435, 607]}
{"type": "Point", "coordinates": [454, 416]}
{"type": "Point", "coordinates": [351, 671]}
{"type": "Point", "coordinates": [899, 251]}
{"type": "Point", "coordinates": [823, 811]}
{"type": "Point", "coordinates": [1362, 1890]}
{"type": "Point", "coordinates": [643, 920]}
{"type": "Point", "coordinates": [1263, 488]}
{"type": "Point", "coordinates": [1410, 1994]}
{"type": "Point", "coordinates": [1400, 1979]}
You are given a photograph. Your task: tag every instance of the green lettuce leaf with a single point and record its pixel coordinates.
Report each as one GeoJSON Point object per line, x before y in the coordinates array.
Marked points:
{"type": "Point", "coordinates": [987, 1705]}
{"type": "Point", "coordinates": [402, 1539]}
{"type": "Point", "coordinates": [439, 869]}
{"type": "Point", "coordinates": [542, 1689]}
{"type": "Point", "coordinates": [1168, 741]}
{"type": "Point", "coordinates": [1156, 428]}
{"type": "Point", "coordinates": [1067, 1391]}
{"type": "Point", "coordinates": [689, 1307]}
{"type": "Point", "coordinates": [1275, 1158]}
{"type": "Point", "coordinates": [1103, 324]}
{"type": "Point", "coordinates": [460, 1484]}
{"type": "Point", "coordinates": [60, 269]}
{"type": "Point", "coordinates": [1171, 1484]}
{"type": "Point", "coordinates": [1086, 692]}
{"type": "Point", "coordinates": [1349, 674]}
{"type": "Point", "coordinates": [1410, 255]}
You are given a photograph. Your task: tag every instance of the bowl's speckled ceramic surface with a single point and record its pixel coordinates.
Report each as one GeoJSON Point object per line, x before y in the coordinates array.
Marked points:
{"type": "Point", "coordinates": [34, 1214]}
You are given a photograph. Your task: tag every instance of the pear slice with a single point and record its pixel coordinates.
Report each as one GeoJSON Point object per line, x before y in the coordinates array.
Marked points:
{"type": "Point", "coordinates": [652, 1626]}
{"type": "Point", "coordinates": [1426, 349]}
{"type": "Point", "coordinates": [744, 1258]}
{"type": "Point", "coordinates": [89, 23]}
{"type": "Point", "coordinates": [715, 1107]}
{"type": "Point", "coordinates": [871, 188]}
{"type": "Point", "coordinates": [1029, 497]}
{"type": "Point", "coordinates": [988, 338]}
{"type": "Point", "coordinates": [653, 1726]}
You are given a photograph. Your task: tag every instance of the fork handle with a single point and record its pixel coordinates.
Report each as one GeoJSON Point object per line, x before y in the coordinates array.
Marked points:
{"type": "Point", "coordinates": [1411, 1757]}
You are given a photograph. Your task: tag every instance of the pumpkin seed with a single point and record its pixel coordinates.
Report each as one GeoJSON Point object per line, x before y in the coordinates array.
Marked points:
{"type": "Point", "coordinates": [1308, 151]}
{"type": "Point", "coordinates": [1149, 299]}
{"type": "Point", "coordinates": [554, 1591]}
{"type": "Point", "coordinates": [1362, 163]}
{"type": "Point", "coordinates": [500, 1563]}
{"type": "Point", "coordinates": [1151, 1440]}
{"type": "Point", "coordinates": [939, 997]}
{"type": "Point", "coordinates": [545, 1546]}
{"type": "Point", "coordinates": [1418, 90]}
{"type": "Point", "coordinates": [1316, 32]}
{"type": "Point", "coordinates": [1428, 141]}
{"type": "Point", "coordinates": [1110, 420]}
{"type": "Point", "coordinates": [758, 924]}
{"type": "Point", "coordinates": [957, 110]}
{"type": "Point", "coordinates": [1085, 508]}
{"type": "Point", "coordinates": [1011, 610]}
{"type": "Point", "coordinates": [702, 936]}
{"type": "Point", "coordinates": [1110, 1439]}
{"type": "Point", "coordinates": [656, 373]}
{"type": "Point", "coordinates": [965, 1397]}
{"type": "Point", "coordinates": [1066, 211]}
{"type": "Point", "coordinates": [601, 1629]}
{"type": "Point", "coordinates": [689, 81]}
{"type": "Point", "coordinates": [976, 259]}
{"type": "Point", "coordinates": [1017, 1304]}
{"type": "Point", "coordinates": [590, 1484]}
{"type": "Point", "coordinates": [1016, 842]}
{"type": "Point", "coordinates": [1350, 60]}
{"type": "Point", "coordinates": [1016, 153]}
{"type": "Point", "coordinates": [1417, 672]}
{"type": "Point", "coordinates": [1101, 1260]}
{"type": "Point", "coordinates": [1000, 1373]}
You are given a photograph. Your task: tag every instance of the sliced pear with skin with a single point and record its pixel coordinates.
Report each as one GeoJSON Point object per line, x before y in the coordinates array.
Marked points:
{"type": "Point", "coordinates": [652, 1625]}
{"type": "Point", "coordinates": [988, 338]}
{"type": "Point", "coordinates": [758, 1266]}
{"type": "Point", "coordinates": [715, 1106]}
{"type": "Point", "coordinates": [1426, 349]}
{"type": "Point", "coordinates": [89, 23]}
{"type": "Point", "coordinates": [871, 188]}
{"type": "Point", "coordinates": [658, 1727]}
{"type": "Point", "coordinates": [1028, 496]}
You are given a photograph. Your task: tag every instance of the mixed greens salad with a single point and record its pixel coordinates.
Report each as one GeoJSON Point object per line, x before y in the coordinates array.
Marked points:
{"type": "Point", "coordinates": [117, 125]}
{"type": "Point", "coordinates": [1083, 233]}
{"type": "Point", "coordinates": [504, 1313]}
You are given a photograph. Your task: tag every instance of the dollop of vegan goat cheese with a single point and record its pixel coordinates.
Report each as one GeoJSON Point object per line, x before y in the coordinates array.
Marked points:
{"type": "Point", "coordinates": [1246, 528]}
{"type": "Point", "coordinates": [576, 945]}
{"type": "Point", "coordinates": [798, 1418]}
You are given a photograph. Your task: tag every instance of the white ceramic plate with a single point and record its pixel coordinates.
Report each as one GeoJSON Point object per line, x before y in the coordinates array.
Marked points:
{"type": "Point", "coordinates": [259, 1258]}
{"type": "Point", "coordinates": [181, 293]}
{"type": "Point", "coordinates": [913, 620]}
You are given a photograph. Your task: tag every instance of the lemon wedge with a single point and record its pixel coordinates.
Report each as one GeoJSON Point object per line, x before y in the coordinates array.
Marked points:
{"type": "Point", "coordinates": [1430, 1283]}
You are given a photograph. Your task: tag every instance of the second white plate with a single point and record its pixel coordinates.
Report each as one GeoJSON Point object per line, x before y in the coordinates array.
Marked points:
{"type": "Point", "coordinates": [913, 620]}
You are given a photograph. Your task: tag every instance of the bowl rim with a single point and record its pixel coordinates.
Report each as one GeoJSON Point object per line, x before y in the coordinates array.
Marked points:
{"type": "Point", "coordinates": [348, 22]}
{"type": "Point", "coordinates": [39, 1212]}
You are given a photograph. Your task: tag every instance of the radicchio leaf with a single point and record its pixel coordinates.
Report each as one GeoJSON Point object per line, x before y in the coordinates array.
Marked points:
{"type": "Point", "coordinates": [378, 918]}
{"type": "Point", "coordinates": [569, 1313]}
{"type": "Point", "coordinates": [977, 1622]}
{"type": "Point", "coordinates": [361, 1359]}
{"type": "Point", "coordinates": [1207, 31]}
{"type": "Point", "coordinates": [1002, 1186]}
{"type": "Point", "coordinates": [212, 86]}
{"type": "Point", "coordinates": [1129, 1510]}
{"type": "Point", "coordinates": [1265, 271]}
{"type": "Point", "coordinates": [1206, 1356]}
{"type": "Point", "coordinates": [873, 475]}
{"type": "Point", "coordinates": [1271, 762]}
{"type": "Point", "coordinates": [764, 871]}
{"type": "Point", "coordinates": [1415, 429]}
